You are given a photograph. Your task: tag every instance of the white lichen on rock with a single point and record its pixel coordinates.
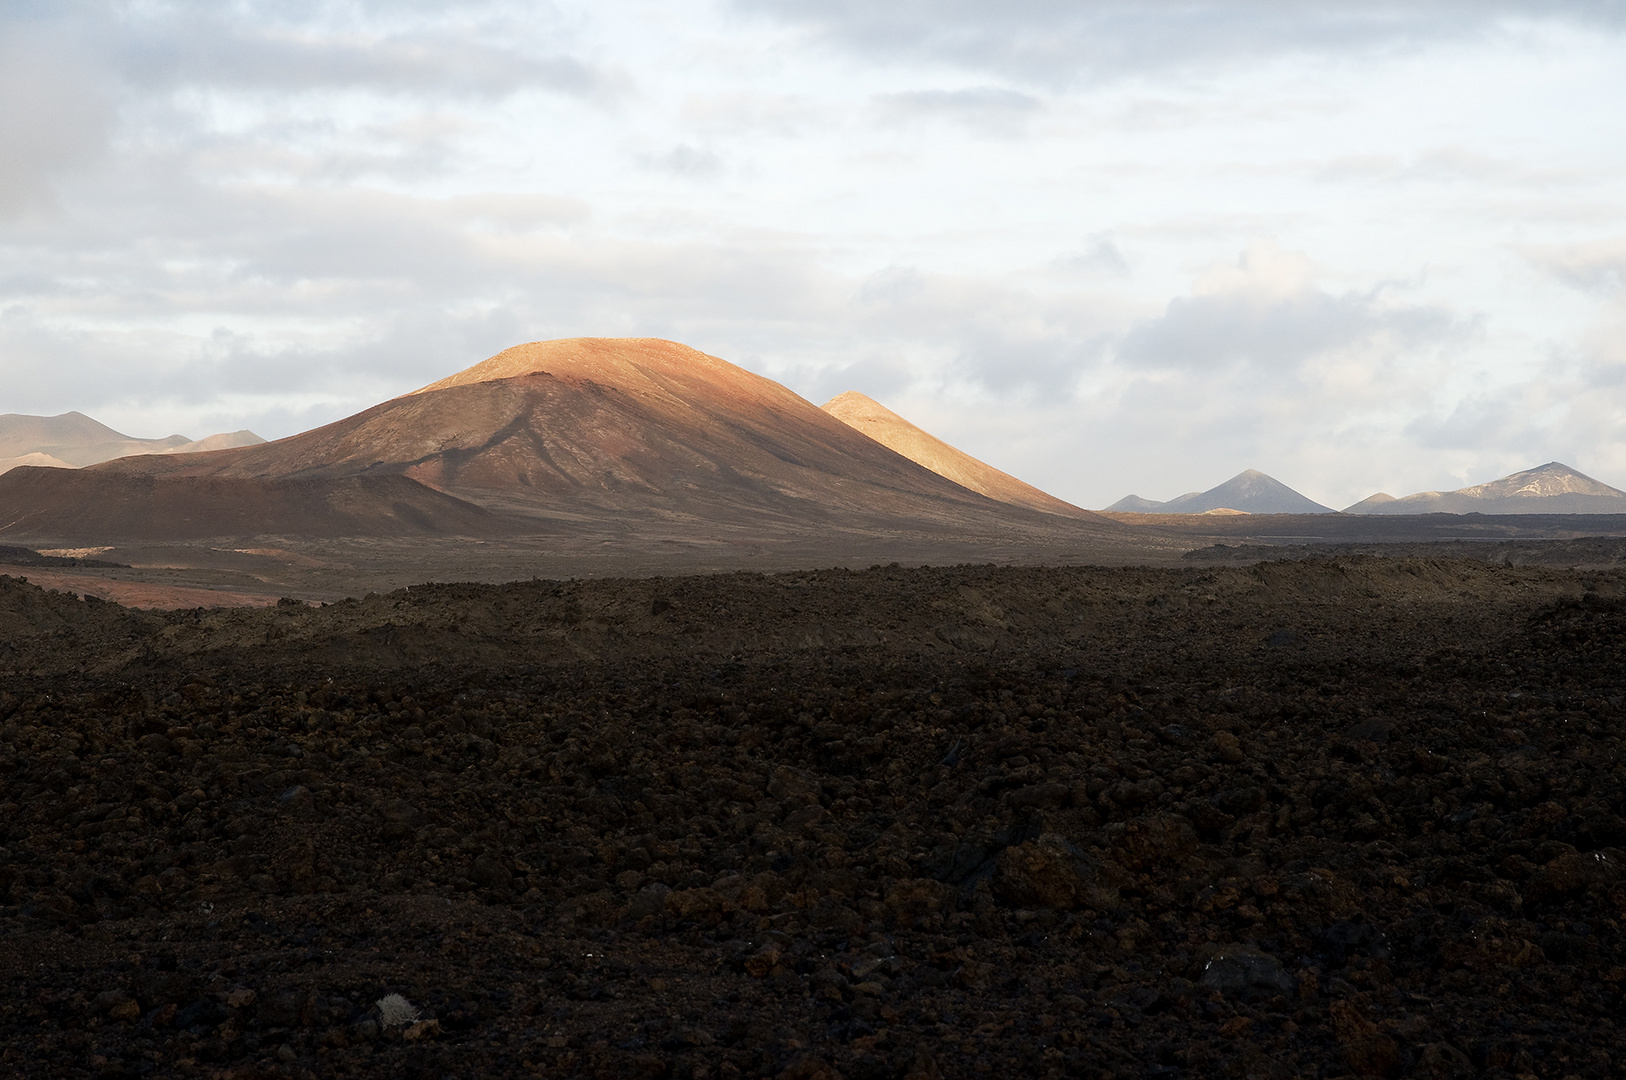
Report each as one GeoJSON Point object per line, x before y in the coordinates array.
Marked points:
{"type": "Point", "coordinates": [395, 1011]}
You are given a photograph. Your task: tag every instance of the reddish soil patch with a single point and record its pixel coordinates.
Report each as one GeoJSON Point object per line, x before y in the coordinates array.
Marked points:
{"type": "Point", "coordinates": [141, 594]}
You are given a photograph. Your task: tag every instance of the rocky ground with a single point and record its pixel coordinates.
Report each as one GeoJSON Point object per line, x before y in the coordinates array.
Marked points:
{"type": "Point", "coordinates": [1341, 816]}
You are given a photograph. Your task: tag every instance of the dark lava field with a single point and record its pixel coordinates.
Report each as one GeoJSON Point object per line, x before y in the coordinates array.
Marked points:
{"type": "Point", "coordinates": [1342, 816]}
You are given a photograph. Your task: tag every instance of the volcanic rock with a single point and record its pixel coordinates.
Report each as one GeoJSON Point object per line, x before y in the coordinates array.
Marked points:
{"type": "Point", "coordinates": [543, 819]}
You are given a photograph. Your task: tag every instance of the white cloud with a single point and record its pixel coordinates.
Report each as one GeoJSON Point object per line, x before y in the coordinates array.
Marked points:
{"type": "Point", "coordinates": [1594, 265]}
{"type": "Point", "coordinates": [685, 160]}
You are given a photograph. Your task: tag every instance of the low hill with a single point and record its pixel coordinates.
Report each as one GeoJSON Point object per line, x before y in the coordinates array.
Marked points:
{"type": "Point", "coordinates": [891, 430]}
{"type": "Point", "coordinates": [1553, 488]}
{"type": "Point", "coordinates": [74, 440]}
{"type": "Point", "coordinates": [226, 440]}
{"type": "Point", "coordinates": [1249, 491]}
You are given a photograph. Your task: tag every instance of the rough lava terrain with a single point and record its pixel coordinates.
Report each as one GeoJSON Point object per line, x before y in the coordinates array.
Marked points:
{"type": "Point", "coordinates": [1333, 817]}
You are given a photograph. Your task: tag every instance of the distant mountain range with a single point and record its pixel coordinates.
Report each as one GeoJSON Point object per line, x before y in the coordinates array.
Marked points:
{"type": "Point", "coordinates": [1248, 492]}
{"type": "Point", "coordinates": [74, 441]}
{"type": "Point", "coordinates": [1553, 488]}
{"type": "Point", "coordinates": [612, 431]}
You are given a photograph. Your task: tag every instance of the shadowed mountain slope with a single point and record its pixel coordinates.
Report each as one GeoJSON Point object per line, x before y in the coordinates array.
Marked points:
{"type": "Point", "coordinates": [1553, 488]}
{"type": "Point", "coordinates": [90, 502]}
{"type": "Point", "coordinates": [889, 429]}
{"type": "Point", "coordinates": [1250, 490]}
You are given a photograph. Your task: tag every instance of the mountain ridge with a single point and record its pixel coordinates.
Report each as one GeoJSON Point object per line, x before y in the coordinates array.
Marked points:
{"type": "Point", "coordinates": [1552, 488]}
{"type": "Point", "coordinates": [73, 440]}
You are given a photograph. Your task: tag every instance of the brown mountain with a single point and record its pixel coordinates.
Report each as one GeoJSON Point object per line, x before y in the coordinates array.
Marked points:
{"type": "Point", "coordinates": [604, 433]}
{"type": "Point", "coordinates": [889, 429]}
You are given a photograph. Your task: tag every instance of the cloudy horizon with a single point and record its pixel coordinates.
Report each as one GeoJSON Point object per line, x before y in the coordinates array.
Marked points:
{"type": "Point", "coordinates": [1126, 246]}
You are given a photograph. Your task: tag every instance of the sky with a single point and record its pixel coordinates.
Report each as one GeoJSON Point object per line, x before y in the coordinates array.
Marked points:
{"type": "Point", "coordinates": [1110, 247]}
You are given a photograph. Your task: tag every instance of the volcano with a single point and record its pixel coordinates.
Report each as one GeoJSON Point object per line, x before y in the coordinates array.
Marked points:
{"type": "Point", "coordinates": [584, 431]}
{"type": "Point", "coordinates": [889, 429]}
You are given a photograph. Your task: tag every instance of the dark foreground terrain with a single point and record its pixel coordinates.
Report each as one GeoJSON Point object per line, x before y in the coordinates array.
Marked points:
{"type": "Point", "coordinates": [1333, 817]}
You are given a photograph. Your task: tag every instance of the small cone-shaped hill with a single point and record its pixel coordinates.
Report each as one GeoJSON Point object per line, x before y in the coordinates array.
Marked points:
{"type": "Point", "coordinates": [1250, 491]}
{"type": "Point", "coordinates": [889, 429]}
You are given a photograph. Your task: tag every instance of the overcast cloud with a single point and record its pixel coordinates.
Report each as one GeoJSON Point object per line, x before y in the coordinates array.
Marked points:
{"type": "Point", "coordinates": [1065, 42]}
{"type": "Point", "coordinates": [1110, 247]}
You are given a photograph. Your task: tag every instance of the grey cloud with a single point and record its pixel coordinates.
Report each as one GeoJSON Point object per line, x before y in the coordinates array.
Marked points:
{"type": "Point", "coordinates": [987, 333]}
{"type": "Point", "coordinates": [988, 110]}
{"type": "Point", "coordinates": [244, 58]}
{"type": "Point", "coordinates": [752, 112]}
{"type": "Point", "coordinates": [1598, 266]}
{"type": "Point", "coordinates": [1063, 41]}
{"type": "Point", "coordinates": [524, 212]}
{"type": "Point", "coordinates": [1279, 332]}
{"type": "Point", "coordinates": [1098, 256]}
{"type": "Point", "coordinates": [436, 50]}
{"type": "Point", "coordinates": [56, 112]}
{"type": "Point", "coordinates": [684, 160]}
{"type": "Point", "coordinates": [1484, 422]}
{"type": "Point", "coordinates": [235, 379]}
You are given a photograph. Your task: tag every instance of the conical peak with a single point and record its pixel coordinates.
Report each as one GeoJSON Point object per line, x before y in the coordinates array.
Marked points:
{"type": "Point", "coordinates": [865, 414]}
{"type": "Point", "coordinates": [854, 407]}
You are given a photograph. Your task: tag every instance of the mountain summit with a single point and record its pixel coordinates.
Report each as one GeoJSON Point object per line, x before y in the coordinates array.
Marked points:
{"type": "Point", "coordinates": [1250, 491]}
{"type": "Point", "coordinates": [1553, 488]}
